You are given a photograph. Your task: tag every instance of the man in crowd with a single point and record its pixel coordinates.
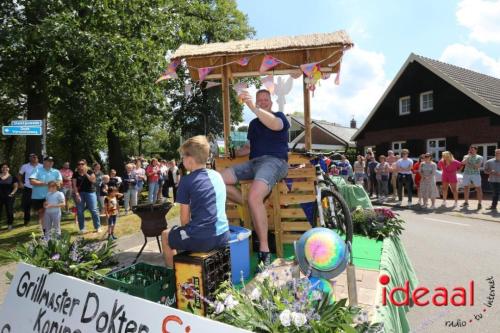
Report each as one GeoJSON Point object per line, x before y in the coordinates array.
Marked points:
{"type": "Point", "coordinates": [268, 154]}
{"type": "Point", "coordinates": [472, 175]}
{"type": "Point", "coordinates": [492, 169]}
{"type": "Point", "coordinates": [39, 179]}
{"type": "Point", "coordinates": [24, 184]}
{"type": "Point", "coordinates": [393, 175]}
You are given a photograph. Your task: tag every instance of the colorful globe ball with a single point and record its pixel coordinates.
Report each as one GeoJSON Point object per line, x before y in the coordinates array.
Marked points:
{"type": "Point", "coordinates": [324, 249]}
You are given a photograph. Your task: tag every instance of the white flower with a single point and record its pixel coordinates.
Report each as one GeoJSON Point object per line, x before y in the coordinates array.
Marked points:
{"type": "Point", "coordinates": [255, 294]}
{"type": "Point", "coordinates": [219, 307]}
{"type": "Point", "coordinates": [230, 302]}
{"type": "Point", "coordinates": [285, 318]}
{"type": "Point", "coordinates": [298, 319]}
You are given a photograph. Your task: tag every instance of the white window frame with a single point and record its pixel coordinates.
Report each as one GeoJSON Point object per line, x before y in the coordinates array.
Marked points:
{"type": "Point", "coordinates": [401, 99]}
{"type": "Point", "coordinates": [485, 149]}
{"type": "Point", "coordinates": [436, 151]}
{"type": "Point", "coordinates": [397, 151]}
{"type": "Point", "coordinates": [430, 92]}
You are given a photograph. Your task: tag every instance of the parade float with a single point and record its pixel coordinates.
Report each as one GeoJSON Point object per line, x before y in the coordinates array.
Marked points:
{"type": "Point", "coordinates": [323, 280]}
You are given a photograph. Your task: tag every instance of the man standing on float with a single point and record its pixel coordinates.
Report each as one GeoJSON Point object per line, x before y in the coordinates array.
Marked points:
{"type": "Point", "coordinates": [267, 148]}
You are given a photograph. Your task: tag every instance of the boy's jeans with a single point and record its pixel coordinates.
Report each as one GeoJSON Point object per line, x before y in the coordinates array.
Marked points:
{"type": "Point", "coordinates": [89, 201]}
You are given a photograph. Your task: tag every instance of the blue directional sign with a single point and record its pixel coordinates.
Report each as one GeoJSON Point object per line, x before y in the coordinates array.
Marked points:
{"type": "Point", "coordinates": [21, 130]}
{"type": "Point", "coordinates": [30, 122]}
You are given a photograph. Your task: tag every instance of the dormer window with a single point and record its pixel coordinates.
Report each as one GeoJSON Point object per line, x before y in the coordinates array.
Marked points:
{"type": "Point", "coordinates": [426, 101]}
{"type": "Point", "coordinates": [404, 105]}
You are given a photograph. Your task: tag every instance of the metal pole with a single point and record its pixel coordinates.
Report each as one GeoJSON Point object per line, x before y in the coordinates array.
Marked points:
{"type": "Point", "coordinates": [226, 112]}
{"type": "Point", "coordinates": [44, 137]}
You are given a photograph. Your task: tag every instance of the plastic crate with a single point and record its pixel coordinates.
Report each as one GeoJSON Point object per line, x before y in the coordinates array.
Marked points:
{"type": "Point", "coordinates": [203, 272]}
{"type": "Point", "coordinates": [154, 283]}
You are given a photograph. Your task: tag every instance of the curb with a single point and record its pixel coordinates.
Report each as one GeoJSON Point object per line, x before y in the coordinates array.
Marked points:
{"type": "Point", "coordinates": [456, 213]}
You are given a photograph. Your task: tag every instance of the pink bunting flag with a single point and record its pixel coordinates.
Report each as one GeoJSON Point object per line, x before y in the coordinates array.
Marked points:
{"type": "Point", "coordinates": [170, 72]}
{"type": "Point", "coordinates": [211, 84]}
{"type": "Point", "coordinates": [308, 69]}
{"type": "Point", "coordinates": [240, 87]}
{"type": "Point", "coordinates": [203, 72]}
{"type": "Point", "coordinates": [268, 83]}
{"type": "Point", "coordinates": [243, 61]}
{"type": "Point", "coordinates": [268, 62]}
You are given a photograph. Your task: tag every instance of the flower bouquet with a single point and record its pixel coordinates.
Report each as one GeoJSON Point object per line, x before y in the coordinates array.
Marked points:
{"type": "Point", "coordinates": [296, 306]}
{"type": "Point", "coordinates": [79, 258]}
{"type": "Point", "coordinates": [377, 223]}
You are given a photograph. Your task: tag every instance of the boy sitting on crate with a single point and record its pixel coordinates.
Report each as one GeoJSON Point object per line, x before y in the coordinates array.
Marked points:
{"type": "Point", "coordinates": [202, 198]}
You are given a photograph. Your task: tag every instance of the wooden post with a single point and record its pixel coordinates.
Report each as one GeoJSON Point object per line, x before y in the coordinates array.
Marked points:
{"type": "Point", "coordinates": [307, 116]}
{"type": "Point", "coordinates": [307, 110]}
{"type": "Point", "coordinates": [226, 109]}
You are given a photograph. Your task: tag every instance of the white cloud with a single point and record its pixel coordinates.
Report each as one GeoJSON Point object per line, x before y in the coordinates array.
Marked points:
{"type": "Point", "coordinates": [362, 83]}
{"type": "Point", "coordinates": [482, 17]}
{"type": "Point", "coordinates": [471, 58]}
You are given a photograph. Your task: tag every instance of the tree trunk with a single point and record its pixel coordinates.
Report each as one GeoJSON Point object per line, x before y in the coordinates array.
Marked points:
{"type": "Point", "coordinates": [37, 104]}
{"type": "Point", "coordinates": [115, 155]}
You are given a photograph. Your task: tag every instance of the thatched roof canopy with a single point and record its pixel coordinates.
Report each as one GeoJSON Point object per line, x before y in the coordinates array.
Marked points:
{"type": "Point", "coordinates": [295, 50]}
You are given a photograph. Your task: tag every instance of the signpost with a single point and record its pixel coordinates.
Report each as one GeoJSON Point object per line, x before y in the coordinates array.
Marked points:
{"type": "Point", "coordinates": [21, 130]}
{"type": "Point", "coordinates": [30, 122]}
{"type": "Point", "coordinates": [59, 303]}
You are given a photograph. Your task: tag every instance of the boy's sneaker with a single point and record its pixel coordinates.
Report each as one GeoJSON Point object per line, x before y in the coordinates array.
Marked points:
{"type": "Point", "coordinates": [114, 237]}
{"type": "Point", "coordinates": [465, 204]}
{"type": "Point", "coordinates": [479, 206]}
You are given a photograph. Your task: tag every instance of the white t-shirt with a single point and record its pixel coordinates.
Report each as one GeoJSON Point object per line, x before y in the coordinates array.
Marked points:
{"type": "Point", "coordinates": [174, 173]}
{"type": "Point", "coordinates": [27, 169]}
{"type": "Point", "coordinates": [404, 164]}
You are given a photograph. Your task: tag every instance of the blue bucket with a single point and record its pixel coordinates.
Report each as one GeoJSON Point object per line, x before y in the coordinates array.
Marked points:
{"type": "Point", "coordinates": [240, 253]}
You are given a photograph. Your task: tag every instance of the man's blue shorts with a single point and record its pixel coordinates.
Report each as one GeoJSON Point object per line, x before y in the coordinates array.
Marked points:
{"type": "Point", "coordinates": [266, 168]}
{"type": "Point", "coordinates": [178, 239]}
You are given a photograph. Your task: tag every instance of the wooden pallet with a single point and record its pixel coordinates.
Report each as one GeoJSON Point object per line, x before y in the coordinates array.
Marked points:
{"type": "Point", "coordinates": [285, 215]}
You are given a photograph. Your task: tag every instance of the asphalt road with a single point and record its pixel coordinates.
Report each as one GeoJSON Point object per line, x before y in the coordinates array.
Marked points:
{"type": "Point", "coordinates": [451, 251]}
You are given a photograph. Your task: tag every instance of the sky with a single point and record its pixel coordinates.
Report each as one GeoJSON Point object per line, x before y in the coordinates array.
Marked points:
{"type": "Point", "coordinates": [465, 33]}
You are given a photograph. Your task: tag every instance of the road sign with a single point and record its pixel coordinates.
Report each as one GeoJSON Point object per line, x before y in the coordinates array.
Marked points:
{"type": "Point", "coordinates": [26, 123]}
{"type": "Point", "coordinates": [21, 130]}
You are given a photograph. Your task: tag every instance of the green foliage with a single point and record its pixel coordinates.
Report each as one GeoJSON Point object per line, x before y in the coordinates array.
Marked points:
{"type": "Point", "coordinates": [292, 307]}
{"type": "Point", "coordinates": [79, 258]}
{"type": "Point", "coordinates": [378, 223]}
{"type": "Point", "coordinates": [91, 66]}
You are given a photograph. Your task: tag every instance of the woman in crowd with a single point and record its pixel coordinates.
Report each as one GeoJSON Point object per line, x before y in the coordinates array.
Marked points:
{"type": "Point", "coordinates": [153, 173]}
{"type": "Point", "coordinates": [449, 167]}
{"type": "Point", "coordinates": [129, 188]}
{"type": "Point", "coordinates": [418, 177]}
{"type": "Point", "coordinates": [372, 176]}
{"type": "Point", "coordinates": [428, 188]}
{"type": "Point", "coordinates": [8, 188]}
{"type": "Point", "coordinates": [382, 171]}
{"type": "Point", "coordinates": [141, 176]}
{"type": "Point", "coordinates": [114, 180]}
{"type": "Point", "coordinates": [359, 170]}
{"type": "Point", "coordinates": [84, 189]}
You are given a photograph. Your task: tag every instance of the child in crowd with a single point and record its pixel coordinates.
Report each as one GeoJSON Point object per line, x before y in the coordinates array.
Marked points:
{"type": "Point", "coordinates": [111, 209]}
{"type": "Point", "coordinates": [103, 192]}
{"type": "Point", "coordinates": [202, 196]}
{"type": "Point", "coordinates": [54, 201]}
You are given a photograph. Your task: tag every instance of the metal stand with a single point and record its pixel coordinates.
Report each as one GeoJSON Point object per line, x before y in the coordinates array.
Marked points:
{"type": "Point", "coordinates": [144, 245]}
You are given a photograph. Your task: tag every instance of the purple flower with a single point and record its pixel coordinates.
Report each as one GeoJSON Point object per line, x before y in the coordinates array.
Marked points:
{"type": "Point", "coordinates": [56, 256]}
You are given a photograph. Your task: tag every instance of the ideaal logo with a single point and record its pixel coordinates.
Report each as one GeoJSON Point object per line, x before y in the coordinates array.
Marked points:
{"type": "Point", "coordinates": [441, 296]}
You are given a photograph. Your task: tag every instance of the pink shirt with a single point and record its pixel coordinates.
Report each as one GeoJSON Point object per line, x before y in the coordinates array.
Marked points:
{"type": "Point", "coordinates": [450, 169]}
{"type": "Point", "coordinates": [66, 173]}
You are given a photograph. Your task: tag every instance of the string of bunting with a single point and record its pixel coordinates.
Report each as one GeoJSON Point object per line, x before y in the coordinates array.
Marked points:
{"type": "Point", "coordinates": [312, 71]}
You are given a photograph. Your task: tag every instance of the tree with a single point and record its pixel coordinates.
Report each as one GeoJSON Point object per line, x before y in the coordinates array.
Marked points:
{"type": "Point", "coordinates": [89, 67]}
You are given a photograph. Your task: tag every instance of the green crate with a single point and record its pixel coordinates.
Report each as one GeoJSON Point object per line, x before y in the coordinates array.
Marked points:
{"type": "Point", "coordinates": [154, 283]}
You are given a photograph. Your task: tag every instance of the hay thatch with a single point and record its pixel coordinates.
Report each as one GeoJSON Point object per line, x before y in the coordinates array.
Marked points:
{"type": "Point", "coordinates": [294, 50]}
